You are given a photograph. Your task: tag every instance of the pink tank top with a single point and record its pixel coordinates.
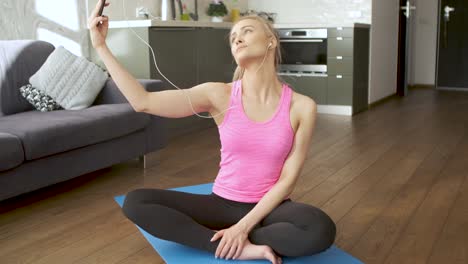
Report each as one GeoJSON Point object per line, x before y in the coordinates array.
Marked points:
{"type": "Point", "coordinates": [252, 153]}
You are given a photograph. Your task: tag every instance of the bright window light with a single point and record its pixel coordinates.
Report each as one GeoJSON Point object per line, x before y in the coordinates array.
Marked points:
{"type": "Point", "coordinates": [63, 12]}
{"type": "Point", "coordinates": [59, 40]}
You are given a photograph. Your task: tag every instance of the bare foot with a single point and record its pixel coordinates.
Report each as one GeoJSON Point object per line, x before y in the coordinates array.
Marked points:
{"type": "Point", "coordinates": [251, 251]}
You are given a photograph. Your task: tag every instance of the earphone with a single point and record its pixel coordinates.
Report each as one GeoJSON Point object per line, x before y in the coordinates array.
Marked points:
{"type": "Point", "coordinates": [157, 68]}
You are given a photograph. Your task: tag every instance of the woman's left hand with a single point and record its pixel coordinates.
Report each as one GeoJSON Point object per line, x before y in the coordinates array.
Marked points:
{"type": "Point", "coordinates": [232, 242]}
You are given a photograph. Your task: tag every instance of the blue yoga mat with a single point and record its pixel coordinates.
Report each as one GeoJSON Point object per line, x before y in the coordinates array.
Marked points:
{"type": "Point", "coordinates": [174, 253]}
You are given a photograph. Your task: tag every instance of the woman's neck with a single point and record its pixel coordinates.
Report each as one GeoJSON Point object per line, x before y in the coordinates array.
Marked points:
{"type": "Point", "coordinates": [262, 84]}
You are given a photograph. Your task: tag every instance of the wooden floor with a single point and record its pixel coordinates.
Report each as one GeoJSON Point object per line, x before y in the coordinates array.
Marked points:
{"type": "Point", "coordinates": [394, 179]}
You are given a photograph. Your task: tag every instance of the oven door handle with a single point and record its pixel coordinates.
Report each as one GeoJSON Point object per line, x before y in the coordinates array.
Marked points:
{"type": "Point", "coordinates": [301, 40]}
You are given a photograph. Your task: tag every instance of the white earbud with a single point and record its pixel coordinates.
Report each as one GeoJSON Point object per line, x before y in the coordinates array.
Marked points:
{"type": "Point", "coordinates": [269, 45]}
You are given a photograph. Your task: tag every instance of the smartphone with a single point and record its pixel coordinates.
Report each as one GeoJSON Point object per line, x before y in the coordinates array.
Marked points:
{"type": "Point", "coordinates": [101, 8]}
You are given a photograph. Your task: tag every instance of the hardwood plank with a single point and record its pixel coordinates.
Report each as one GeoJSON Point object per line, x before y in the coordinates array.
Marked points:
{"type": "Point", "coordinates": [365, 157]}
{"type": "Point", "coordinates": [379, 239]}
{"type": "Point", "coordinates": [325, 164]}
{"type": "Point", "coordinates": [348, 197]}
{"type": "Point", "coordinates": [144, 256]}
{"type": "Point", "coordinates": [416, 241]}
{"type": "Point", "coordinates": [27, 248]}
{"type": "Point", "coordinates": [55, 225]}
{"type": "Point", "coordinates": [101, 237]}
{"type": "Point", "coordinates": [452, 244]}
{"type": "Point", "coordinates": [372, 204]}
{"type": "Point", "coordinates": [78, 197]}
{"type": "Point", "coordinates": [363, 214]}
{"type": "Point", "coordinates": [347, 136]}
{"type": "Point", "coordinates": [115, 252]}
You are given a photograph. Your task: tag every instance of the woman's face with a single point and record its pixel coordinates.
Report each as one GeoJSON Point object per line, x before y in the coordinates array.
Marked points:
{"type": "Point", "coordinates": [248, 40]}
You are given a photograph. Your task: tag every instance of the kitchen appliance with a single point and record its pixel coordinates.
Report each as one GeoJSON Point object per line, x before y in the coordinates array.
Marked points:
{"type": "Point", "coordinates": [303, 51]}
{"type": "Point", "coordinates": [169, 10]}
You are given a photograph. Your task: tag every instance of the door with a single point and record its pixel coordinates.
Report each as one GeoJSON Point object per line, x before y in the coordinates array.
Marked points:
{"type": "Point", "coordinates": [452, 47]}
{"type": "Point", "coordinates": [407, 8]}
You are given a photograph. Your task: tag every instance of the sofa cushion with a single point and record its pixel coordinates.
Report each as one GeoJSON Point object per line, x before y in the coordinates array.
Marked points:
{"type": "Point", "coordinates": [19, 60]}
{"type": "Point", "coordinates": [72, 81]}
{"type": "Point", "coordinates": [11, 153]}
{"type": "Point", "coordinates": [48, 133]}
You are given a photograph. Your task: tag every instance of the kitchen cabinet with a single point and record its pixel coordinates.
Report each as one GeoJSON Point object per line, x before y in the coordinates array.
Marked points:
{"type": "Point", "coordinates": [342, 87]}
{"type": "Point", "coordinates": [215, 62]}
{"type": "Point", "coordinates": [341, 66]}
{"type": "Point", "coordinates": [340, 46]}
{"type": "Point", "coordinates": [347, 32]}
{"type": "Point", "coordinates": [348, 68]}
{"type": "Point", "coordinates": [189, 56]}
{"type": "Point", "coordinates": [340, 90]}
{"type": "Point", "coordinates": [313, 86]}
{"type": "Point", "coordinates": [176, 55]}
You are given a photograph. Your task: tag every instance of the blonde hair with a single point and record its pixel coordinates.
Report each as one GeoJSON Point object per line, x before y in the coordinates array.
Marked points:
{"type": "Point", "coordinates": [271, 32]}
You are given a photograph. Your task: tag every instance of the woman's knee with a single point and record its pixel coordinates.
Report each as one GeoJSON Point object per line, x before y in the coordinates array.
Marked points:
{"type": "Point", "coordinates": [319, 231]}
{"type": "Point", "coordinates": [132, 202]}
{"type": "Point", "coordinates": [323, 233]}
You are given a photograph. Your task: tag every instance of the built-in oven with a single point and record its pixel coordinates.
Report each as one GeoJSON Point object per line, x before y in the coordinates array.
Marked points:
{"type": "Point", "coordinates": [303, 51]}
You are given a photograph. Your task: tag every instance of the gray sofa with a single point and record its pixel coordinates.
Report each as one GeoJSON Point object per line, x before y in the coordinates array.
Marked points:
{"type": "Point", "coordinates": [38, 149]}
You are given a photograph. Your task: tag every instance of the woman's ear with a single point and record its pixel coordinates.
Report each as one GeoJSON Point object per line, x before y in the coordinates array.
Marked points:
{"type": "Point", "coordinates": [273, 43]}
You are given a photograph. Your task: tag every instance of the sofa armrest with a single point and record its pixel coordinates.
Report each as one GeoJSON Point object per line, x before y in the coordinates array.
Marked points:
{"type": "Point", "coordinates": [111, 94]}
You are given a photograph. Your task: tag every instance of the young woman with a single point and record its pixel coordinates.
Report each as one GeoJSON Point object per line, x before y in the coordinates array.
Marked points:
{"type": "Point", "coordinates": [265, 135]}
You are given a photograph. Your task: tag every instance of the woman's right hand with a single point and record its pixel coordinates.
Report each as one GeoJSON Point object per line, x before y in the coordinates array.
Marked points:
{"type": "Point", "coordinates": [98, 33]}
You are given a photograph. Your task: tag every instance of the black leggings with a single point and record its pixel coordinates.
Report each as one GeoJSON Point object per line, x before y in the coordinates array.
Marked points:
{"type": "Point", "coordinates": [291, 229]}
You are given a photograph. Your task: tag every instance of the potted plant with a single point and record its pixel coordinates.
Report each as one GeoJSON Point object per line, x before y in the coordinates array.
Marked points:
{"type": "Point", "coordinates": [217, 10]}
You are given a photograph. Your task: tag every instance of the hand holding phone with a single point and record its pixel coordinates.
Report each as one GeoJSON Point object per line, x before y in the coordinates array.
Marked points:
{"type": "Point", "coordinates": [98, 24]}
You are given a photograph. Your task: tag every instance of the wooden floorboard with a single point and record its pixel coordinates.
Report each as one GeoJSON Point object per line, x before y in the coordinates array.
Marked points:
{"type": "Point", "coordinates": [144, 256]}
{"type": "Point", "coordinates": [407, 184]}
{"type": "Point", "coordinates": [394, 179]}
{"type": "Point", "coordinates": [451, 245]}
{"type": "Point", "coordinates": [417, 240]}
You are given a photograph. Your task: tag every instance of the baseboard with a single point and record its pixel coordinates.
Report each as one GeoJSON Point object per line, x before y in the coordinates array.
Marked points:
{"type": "Point", "coordinates": [383, 100]}
{"type": "Point", "coordinates": [452, 89]}
{"type": "Point", "coordinates": [421, 86]}
{"type": "Point", "coordinates": [346, 110]}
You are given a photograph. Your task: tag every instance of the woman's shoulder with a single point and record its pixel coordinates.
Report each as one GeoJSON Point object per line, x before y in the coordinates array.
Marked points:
{"type": "Point", "coordinates": [301, 101]}
{"type": "Point", "coordinates": [220, 88]}
{"type": "Point", "coordinates": [302, 107]}
{"type": "Point", "coordinates": [215, 87]}
{"type": "Point", "coordinates": [218, 92]}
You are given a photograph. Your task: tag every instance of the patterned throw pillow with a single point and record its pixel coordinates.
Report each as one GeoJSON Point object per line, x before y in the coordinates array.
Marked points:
{"type": "Point", "coordinates": [39, 99]}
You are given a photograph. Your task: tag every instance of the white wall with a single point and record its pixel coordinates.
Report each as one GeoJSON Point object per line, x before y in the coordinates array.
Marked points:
{"type": "Point", "coordinates": [316, 11]}
{"type": "Point", "coordinates": [115, 10]}
{"type": "Point", "coordinates": [423, 43]}
{"type": "Point", "coordinates": [384, 49]}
